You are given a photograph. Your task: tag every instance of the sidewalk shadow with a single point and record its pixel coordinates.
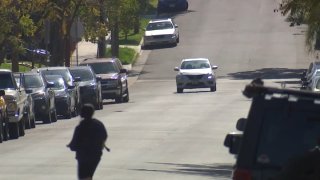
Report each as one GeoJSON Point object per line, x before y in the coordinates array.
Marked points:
{"type": "Point", "coordinates": [267, 73]}
{"type": "Point", "coordinates": [214, 170]}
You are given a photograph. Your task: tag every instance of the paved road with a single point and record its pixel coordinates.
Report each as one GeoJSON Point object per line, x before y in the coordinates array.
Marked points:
{"type": "Point", "coordinates": [163, 135]}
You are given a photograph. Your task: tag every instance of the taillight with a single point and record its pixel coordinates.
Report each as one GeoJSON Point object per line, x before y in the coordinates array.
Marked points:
{"type": "Point", "coordinates": [241, 174]}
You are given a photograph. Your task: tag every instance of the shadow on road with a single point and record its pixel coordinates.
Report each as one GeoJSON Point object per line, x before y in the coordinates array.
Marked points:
{"type": "Point", "coordinates": [214, 170]}
{"type": "Point", "coordinates": [267, 73]}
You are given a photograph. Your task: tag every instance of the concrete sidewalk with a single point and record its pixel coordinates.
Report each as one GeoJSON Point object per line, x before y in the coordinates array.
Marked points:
{"type": "Point", "coordinates": [89, 50]}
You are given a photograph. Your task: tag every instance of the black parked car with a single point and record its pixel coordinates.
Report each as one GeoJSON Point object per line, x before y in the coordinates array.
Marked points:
{"type": "Point", "coordinates": [90, 86]}
{"type": "Point", "coordinates": [172, 5]}
{"type": "Point", "coordinates": [42, 95]}
{"type": "Point", "coordinates": [72, 83]}
{"type": "Point", "coordinates": [64, 99]}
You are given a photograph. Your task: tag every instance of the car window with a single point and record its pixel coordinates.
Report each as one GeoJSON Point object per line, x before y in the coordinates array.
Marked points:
{"type": "Point", "coordinates": [159, 26]}
{"type": "Point", "coordinates": [84, 74]}
{"type": "Point", "coordinates": [6, 81]}
{"type": "Point", "coordinates": [63, 72]}
{"type": "Point", "coordinates": [33, 81]}
{"type": "Point", "coordinates": [104, 68]}
{"type": "Point", "coordinates": [197, 64]}
{"type": "Point", "coordinates": [58, 83]}
{"type": "Point", "coordinates": [281, 132]}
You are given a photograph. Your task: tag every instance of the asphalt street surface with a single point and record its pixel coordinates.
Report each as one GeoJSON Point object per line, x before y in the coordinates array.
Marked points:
{"type": "Point", "coordinates": [160, 134]}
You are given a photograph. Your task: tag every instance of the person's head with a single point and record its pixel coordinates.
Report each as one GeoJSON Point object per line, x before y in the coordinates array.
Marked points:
{"type": "Point", "coordinates": [87, 111]}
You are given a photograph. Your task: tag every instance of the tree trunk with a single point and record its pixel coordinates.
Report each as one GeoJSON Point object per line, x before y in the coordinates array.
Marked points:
{"type": "Point", "coordinates": [136, 28]}
{"type": "Point", "coordinates": [101, 47]}
{"type": "Point", "coordinates": [56, 45]}
{"type": "Point", "coordinates": [115, 40]}
{"type": "Point", "coordinates": [67, 50]}
{"type": "Point", "coordinates": [14, 63]}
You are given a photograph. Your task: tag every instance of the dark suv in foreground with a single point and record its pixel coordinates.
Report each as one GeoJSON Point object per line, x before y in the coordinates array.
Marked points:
{"type": "Point", "coordinates": [114, 82]}
{"type": "Point", "coordinates": [282, 126]}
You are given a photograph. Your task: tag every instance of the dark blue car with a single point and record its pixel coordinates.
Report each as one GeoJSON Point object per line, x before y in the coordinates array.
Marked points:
{"type": "Point", "coordinates": [172, 5]}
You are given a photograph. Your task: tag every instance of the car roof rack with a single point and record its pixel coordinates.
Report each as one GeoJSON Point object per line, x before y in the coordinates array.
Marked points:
{"type": "Point", "coordinates": [256, 88]}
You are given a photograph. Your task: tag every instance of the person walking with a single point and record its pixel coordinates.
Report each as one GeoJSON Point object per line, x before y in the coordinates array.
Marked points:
{"type": "Point", "coordinates": [88, 142]}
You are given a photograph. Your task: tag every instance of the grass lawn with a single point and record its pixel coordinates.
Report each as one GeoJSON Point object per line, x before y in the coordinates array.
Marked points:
{"type": "Point", "coordinates": [134, 39]}
{"type": "Point", "coordinates": [8, 66]}
{"type": "Point", "coordinates": [126, 55]}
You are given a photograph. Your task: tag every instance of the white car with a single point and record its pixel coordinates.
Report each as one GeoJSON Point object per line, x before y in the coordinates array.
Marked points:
{"type": "Point", "coordinates": [195, 73]}
{"type": "Point", "coordinates": [161, 31]}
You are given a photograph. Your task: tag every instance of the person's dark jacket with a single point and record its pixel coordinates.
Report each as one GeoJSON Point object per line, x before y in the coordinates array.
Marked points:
{"type": "Point", "coordinates": [88, 139]}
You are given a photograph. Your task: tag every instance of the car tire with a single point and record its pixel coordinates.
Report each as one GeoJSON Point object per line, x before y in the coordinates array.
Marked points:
{"type": "Point", "coordinates": [14, 130]}
{"type": "Point", "coordinates": [126, 98]}
{"type": "Point", "coordinates": [68, 113]}
{"type": "Point", "coordinates": [179, 90]}
{"type": "Point", "coordinates": [6, 132]}
{"type": "Point", "coordinates": [22, 126]}
{"type": "Point", "coordinates": [213, 89]}
{"type": "Point", "coordinates": [47, 118]}
{"type": "Point", "coordinates": [186, 7]}
{"type": "Point", "coordinates": [54, 117]}
{"type": "Point", "coordinates": [178, 39]}
{"type": "Point", "coordinates": [27, 119]}
{"type": "Point", "coordinates": [119, 98]}
{"type": "Point", "coordinates": [1, 128]}
{"type": "Point", "coordinates": [33, 122]}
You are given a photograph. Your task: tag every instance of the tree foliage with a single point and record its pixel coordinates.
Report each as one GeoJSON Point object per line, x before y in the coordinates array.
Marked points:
{"type": "Point", "coordinates": [307, 11]}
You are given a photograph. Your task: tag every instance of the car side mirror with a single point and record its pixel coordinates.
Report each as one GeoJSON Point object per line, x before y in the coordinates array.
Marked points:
{"type": "Point", "coordinates": [214, 67]}
{"type": "Point", "coordinates": [241, 124]}
{"type": "Point", "coordinates": [50, 84]}
{"type": "Point", "coordinates": [176, 26]}
{"type": "Point", "coordinates": [2, 92]}
{"type": "Point", "coordinates": [123, 71]}
{"type": "Point", "coordinates": [233, 142]}
{"type": "Point", "coordinates": [98, 78]}
{"type": "Point", "coordinates": [176, 69]}
{"type": "Point", "coordinates": [77, 79]}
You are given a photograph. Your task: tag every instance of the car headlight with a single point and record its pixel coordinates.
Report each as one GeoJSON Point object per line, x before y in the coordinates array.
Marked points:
{"type": "Point", "coordinates": [173, 36]}
{"type": "Point", "coordinates": [12, 106]}
{"type": "Point", "coordinates": [210, 76]}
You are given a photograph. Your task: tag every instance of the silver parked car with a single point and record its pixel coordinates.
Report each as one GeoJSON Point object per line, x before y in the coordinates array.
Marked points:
{"type": "Point", "coordinates": [161, 31]}
{"type": "Point", "coordinates": [195, 73]}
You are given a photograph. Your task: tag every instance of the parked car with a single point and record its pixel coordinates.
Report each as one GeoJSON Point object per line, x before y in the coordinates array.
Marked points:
{"type": "Point", "coordinates": [16, 100]}
{"type": "Point", "coordinates": [90, 86]}
{"type": "Point", "coordinates": [172, 5]}
{"type": "Point", "coordinates": [72, 84]}
{"type": "Point", "coordinates": [282, 125]}
{"type": "Point", "coordinates": [161, 31]}
{"type": "Point", "coordinates": [114, 82]}
{"type": "Point", "coordinates": [64, 100]}
{"type": "Point", "coordinates": [4, 124]}
{"type": "Point", "coordinates": [314, 85]}
{"type": "Point", "coordinates": [30, 121]}
{"type": "Point", "coordinates": [195, 73]}
{"type": "Point", "coordinates": [313, 70]}
{"type": "Point", "coordinates": [43, 97]}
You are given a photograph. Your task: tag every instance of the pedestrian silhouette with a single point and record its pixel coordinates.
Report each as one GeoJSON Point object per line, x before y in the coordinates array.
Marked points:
{"type": "Point", "coordinates": [88, 142]}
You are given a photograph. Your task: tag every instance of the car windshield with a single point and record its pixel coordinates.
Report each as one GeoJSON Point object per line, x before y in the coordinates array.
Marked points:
{"type": "Point", "coordinates": [6, 81]}
{"type": "Point", "coordinates": [84, 74]}
{"type": "Point", "coordinates": [104, 68]}
{"type": "Point", "coordinates": [159, 26]}
{"type": "Point", "coordinates": [58, 83]}
{"type": "Point", "coordinates": [282, 132]}
{"type": "Point", "coordinates": [63, 72]}
{"type": "Point", "coordinates": [33, 81]}
{"type": "Point", "coordinates": [196, 64]}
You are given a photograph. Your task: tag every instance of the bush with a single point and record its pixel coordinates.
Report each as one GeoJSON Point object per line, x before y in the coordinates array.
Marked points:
{"type": "Point", "coordinates": [126, 55]}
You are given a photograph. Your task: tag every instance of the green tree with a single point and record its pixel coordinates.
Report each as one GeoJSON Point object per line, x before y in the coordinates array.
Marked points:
{"type": "Point", "coordinates": [129, 15]}
{"type": "Point", "coordinates": [15, 24]}
{"type": "Point", "coordinates": [307, 11]}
